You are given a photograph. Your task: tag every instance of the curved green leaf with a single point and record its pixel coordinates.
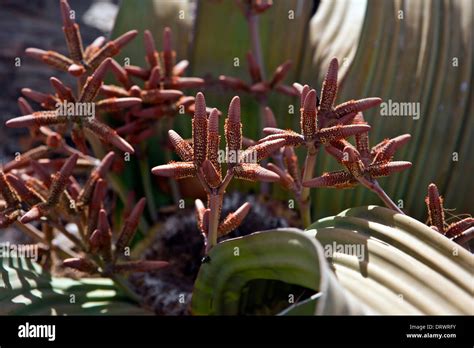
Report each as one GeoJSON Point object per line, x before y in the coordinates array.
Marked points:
{"type": "Point", "coordinates": [286, 255]}
{"type": "Point", "coordinates": [379, 262]}
{"type": "Point", "coordinates": [26, 289]}
{"type": "Point", "coordinates": [406, 266]}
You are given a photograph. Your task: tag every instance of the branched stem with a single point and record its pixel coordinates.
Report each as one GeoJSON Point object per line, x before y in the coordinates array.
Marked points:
{"type": "Point", "coordinates": [376, 188]}
{"type": "Point", "coordinates": [175, 191]}
{"type": "Point", "coordinates": [216, 199]}
{"type": "Point", "coordinates": [123, 285]}
{"type": "Point", "coordinates": [147, 188]}
{"type": "Point", "coordinates": [215, 205]}
{"type": "Point", "coordinates": [308, 171]}
{"type": "Point", "coordinates": [118, 280]}
{"type": "Point", "coordinates": [228, 177]}
{"type": "Point", "coordinates": [254, 31]}
{"type": "Point", "coordinates": [76, 241]}
{"type": "Point", "coordinates": [37, 236]}
{"type": "Point", "coordinates": [253, 24]}
{"type": "Point", "coordinates": [31, 232]}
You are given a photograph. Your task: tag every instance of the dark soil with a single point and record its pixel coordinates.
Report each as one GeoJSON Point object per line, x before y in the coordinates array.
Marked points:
{"type": "Point", "coordinates": [180, 242]}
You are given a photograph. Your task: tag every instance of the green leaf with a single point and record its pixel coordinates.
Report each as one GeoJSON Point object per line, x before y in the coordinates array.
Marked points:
{"type": "Point", "coordinates": [26, 289]}
{"type": "Point", "coordinates": [378, 261]}
{"type": "Point", "coordinates": [286, 255]}
{"type": "Point", "coordinates": [406, 267]}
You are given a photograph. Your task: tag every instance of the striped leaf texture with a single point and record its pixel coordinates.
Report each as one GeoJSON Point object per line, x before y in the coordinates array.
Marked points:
{"type": "Point", "coordinates": [405, 267]}
{"type": "Point", "coordinates": [285, 255]}
{"type": "Point", "coordinates": [364, 260]}
{"type": "Point", "coordinates": [27, 289]}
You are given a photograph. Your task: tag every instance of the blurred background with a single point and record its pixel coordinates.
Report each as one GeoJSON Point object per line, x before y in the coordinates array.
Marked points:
{"type": "Point", "coordinates": [406, 51]}
{"type": "Point", "coordinates": [37, 23]}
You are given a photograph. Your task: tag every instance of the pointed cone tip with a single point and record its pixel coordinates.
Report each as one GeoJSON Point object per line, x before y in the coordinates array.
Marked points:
{"type": "Point", "coordinates": [243, 210]}
{"type": "Point", "coordinates": [76, 69]}
{"type": "Point", "coordinates": [200, 105]}
{"type": "Point", "coordinates": [106, 162]}
{"type": "Point", "coordinates": [121, 144]}
{"type": "Point", "coordinates": [310, 100]}
{"type": "Point", "coordinates": [268, 175]}
{"type": "Point", "coordinates": [35, 52]}
{"type": "Point", "coordinates": [123, 39]}
{"type": "Point", "coordinates": [214, 120]}
{"type": "Point", "coordinates": [102, 69]}
{"type": "Point", "coordinates": [234, 109]}
{"type": "Point", "coordinates": [333, 65]}
{"type": "Point", "coordinates": [21, 121]}
{"type": "Point", "coordinates": [32, 215]}
{"type": "Point", "coordinates": [65, 13]}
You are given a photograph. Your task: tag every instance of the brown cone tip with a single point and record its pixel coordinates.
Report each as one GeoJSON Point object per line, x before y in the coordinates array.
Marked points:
{"type": "Point", "coordinates": [115, 66]}
{"type": "Point", "coordinates": [137, 211]}
{"type": "Point", "coordinates": [100, 72]}
{"type": "Point", "coordinates": [432, 188]}
{"type": "Point", "coordinates": [127, 102]}
{"type": "Point", "coordinates": [402, 139]}
{"type": "Point", "coordinates": [125, 38]}
{"type": "Point", "coordinates": [200, 105]}
{"type": "Point", "coordinates": [59, 86]}
{"type": "Point", "coordinates": [210, 173]}
{"type": "Point", "coordinates": [266, 175]}
{"type": "Point", "coordinates": [213, 125]}
{"type": "Point", "coordinates": [24, 106]}
{"type": "Point", "coordinates": [98, 195]}
{"type": "Point", "coordinates": [80, 264]}
{"type": "Point", "coordinates": [199, 205]}
{"type": "Point", "coordinates": [180, 67]}
{"type": "Point", "coordinates": [234, 110]}
{"type": "Point", "coordinates": [149, 42]}
{"type": "Point", "coordinates": [98, 42]}
{"type": "Point", "coordinates": [22, 121]}
{"type": "Point", "coordinates": [273, 130]}
{"type": "Point", "coordinates": [34, 95]}
{"type": "Point", "coordinates": [76, 69]}
{"type": "Point", "coordinates": [35, 53]}
{"type": "Point", "coordinates": [121, 144]}
{"type": "Point", "coordinates": [304, 92]}
{"type": "Point", "coordinates": [69, 165]}
{"type": "Point", "coordinates": [310, 101]}
{"type": "Point", "coordinates": [399, 165]}
{"type": "Point", "coordinates": [155, 76]}
{"type": "Point", "coordinates": [17, 185]}
{"type": "Point", "coordinates": [243, 209]}
{"type": "Point", "coordinates": [332, 70]}
{"type": "Point", "coordinates": [174, 137]}
{"type": "Point", "coordinates": [298, 87]}
{"type": "Point", "coordinates": [103, 224]}
{"type": "Point", "coordinates": [167, 170]}
{"type": "Point", "coordinates": [66, 13]}
{"type": "Point", "coordinates": [167, 39]}
{"type": "Point", "coordinates": [32, 215]}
